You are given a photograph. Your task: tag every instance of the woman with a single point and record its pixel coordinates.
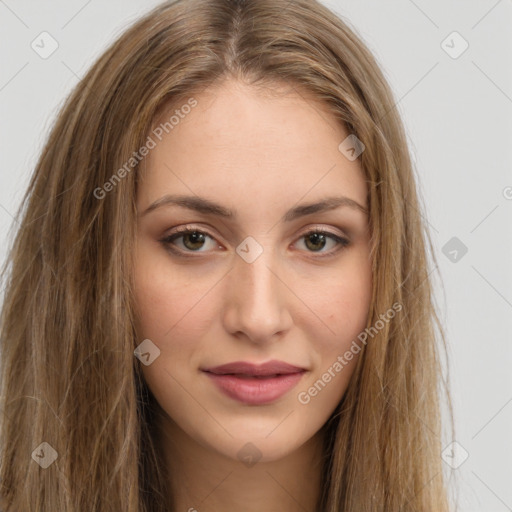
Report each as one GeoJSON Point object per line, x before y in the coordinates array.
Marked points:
{"type": "Point", "coordinates": [218, 296]}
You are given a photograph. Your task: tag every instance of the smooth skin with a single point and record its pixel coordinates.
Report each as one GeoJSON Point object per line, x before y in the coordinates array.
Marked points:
{"type": "Point", "coordinates": [303, 300]}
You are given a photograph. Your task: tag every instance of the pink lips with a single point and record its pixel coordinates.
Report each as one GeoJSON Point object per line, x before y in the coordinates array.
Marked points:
{"type": "Point", "coordinates": [255, 384]}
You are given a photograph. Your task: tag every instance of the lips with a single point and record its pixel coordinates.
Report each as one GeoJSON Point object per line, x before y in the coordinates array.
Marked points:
{"type": "Point", "coordinates": [268, 369]}
{"type": "Point", "coordinates": [253, 384]}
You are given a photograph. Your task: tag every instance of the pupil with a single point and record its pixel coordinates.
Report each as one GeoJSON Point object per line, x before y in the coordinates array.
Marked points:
{"type": "Point", "coordinates": [197, 238]}
{"type": "Point", "coordinates": [316, 237]}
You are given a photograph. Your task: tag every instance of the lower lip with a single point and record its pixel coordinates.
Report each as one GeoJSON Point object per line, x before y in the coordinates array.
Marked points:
{"type": "Point", "coordinates": [255, 391]}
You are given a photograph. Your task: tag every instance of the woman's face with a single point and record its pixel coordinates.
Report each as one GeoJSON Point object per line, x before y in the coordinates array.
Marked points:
{"type": "Point", "coordinates": [249, 284]}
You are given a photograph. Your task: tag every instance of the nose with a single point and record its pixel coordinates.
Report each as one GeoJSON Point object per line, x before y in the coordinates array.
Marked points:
{"type": "Point", "coordinates": [257, 300]}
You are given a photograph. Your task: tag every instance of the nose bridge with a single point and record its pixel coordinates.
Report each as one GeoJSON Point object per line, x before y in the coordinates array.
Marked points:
{"type": "Point", "coordinates": [256, 299]}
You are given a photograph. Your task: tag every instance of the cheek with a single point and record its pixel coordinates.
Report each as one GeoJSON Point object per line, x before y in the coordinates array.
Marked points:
{"type": "Point", "coordinates": [170, 311]}
{"type": "Point", "coordinates": [343, 301]}
{"type": "Point", "coordinates": [348, 306]}
{"type": "Point", "coordinates": [343, 305]}
{"type": "Point", "coordinates": [173, 313]}
{"type": "Point", "coordinates": [166, 298]}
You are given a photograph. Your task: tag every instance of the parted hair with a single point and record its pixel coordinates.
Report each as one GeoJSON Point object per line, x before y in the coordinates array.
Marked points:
{"type": "Point", "coordinates": [69, 377]}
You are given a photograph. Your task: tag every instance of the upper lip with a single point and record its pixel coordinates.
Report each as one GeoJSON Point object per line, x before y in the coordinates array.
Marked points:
{"type": "Point", "coordinates": [273, 367]}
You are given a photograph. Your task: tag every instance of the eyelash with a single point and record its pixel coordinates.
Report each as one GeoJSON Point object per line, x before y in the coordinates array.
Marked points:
{"type": "Point", "coordinates": [179, 233]}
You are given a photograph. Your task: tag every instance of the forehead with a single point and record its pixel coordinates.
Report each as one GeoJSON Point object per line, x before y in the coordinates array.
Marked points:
{"type": "Point", "coordinates": [239, 142]}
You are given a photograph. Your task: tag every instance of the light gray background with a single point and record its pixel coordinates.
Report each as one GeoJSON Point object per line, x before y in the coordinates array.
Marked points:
{"type": "Point", "coordinates": [457, 114]}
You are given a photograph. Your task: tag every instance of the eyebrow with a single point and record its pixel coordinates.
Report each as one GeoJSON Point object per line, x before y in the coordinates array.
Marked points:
{"type": "Point", "coordinates": [208, 207]}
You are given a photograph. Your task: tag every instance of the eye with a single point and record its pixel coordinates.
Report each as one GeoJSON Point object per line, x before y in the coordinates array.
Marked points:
{"type": "Point", "coordinates": [192, 240]}
{"type": "Point", "coordinates": [316, 239]}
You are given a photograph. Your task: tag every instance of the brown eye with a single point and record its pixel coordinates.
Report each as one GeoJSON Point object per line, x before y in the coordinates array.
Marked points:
{"type": "Point", "coordinates": [192, 240]}
{"type": "Point", "coordinates": [195, 239]}
{"type": "Point", "coordinates": [316, 240]}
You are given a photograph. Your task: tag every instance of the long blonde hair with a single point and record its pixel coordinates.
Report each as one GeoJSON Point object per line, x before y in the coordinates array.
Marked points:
{"type": "Point", "coordinates": [69, 375]}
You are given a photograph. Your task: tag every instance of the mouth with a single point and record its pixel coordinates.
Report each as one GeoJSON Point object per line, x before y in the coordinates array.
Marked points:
{"type": "Point", "coordinates": [250, 376]}
{"type": "Point", "coordinates": [255, 385]}
{"type": "Point", "coordinates": [243, 368]}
